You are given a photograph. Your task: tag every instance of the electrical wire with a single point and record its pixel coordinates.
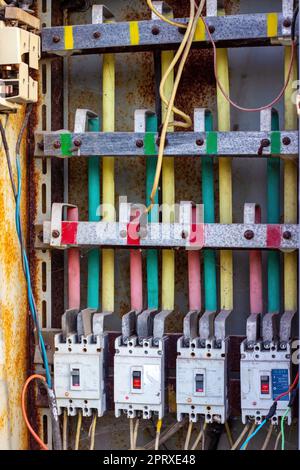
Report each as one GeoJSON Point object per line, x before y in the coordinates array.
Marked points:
{"type": "Point", "coordinates": [277, 440]}
{"type": "Point", "coordinates": [24, 412]}
{"type": "Point", "coordinates": [268, 437]}
{"type": "Point", "coordinates": [219, 84]}
{"type": "Point", "coordinates": [199, 437]}
{"type": "Point", "coordinates": [65, 429]}
{"type": "Point", "coordinates": [158, 430]}
{"type": "Point", "coordinates": [135, 434]}
{"type": "Point", "coordinates": [241, 436]}
{"type": "Point", "coordinates": [162, 17]}
{"type": "Point", "coordinates": [228, 433]}
{"type": "Point", "coordinates": [78, 430]}
{"type": "Point", "coordinates": [131, 432]}
{"type": "Point", "coordinates": [249, 438]}
{"type": "Point", "coordinates": [188, 436]}
{"type": "Point", "coordinates": [289, 389]}
{"type": "Point", "coordinates": [282, 428]}
{"type": "Point", "coordinates": [92, 432]}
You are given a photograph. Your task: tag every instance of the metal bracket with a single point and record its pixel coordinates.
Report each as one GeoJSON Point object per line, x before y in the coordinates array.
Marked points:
{"type": "Point", "coordinates": [266, 119]}
{"type": "Point", "coordinates": [140, 118]}
{"type": "Point", "coordinates": [56, 222]}
{"type": "Point", "coordinates": [82, 117]}
{"type": "Point", "coordinates": [128, 325]}
{"type": "Point", "coordinates": [163, 8]}
{"type": "Point", "coordinates": [212, 7]}
{"type": "Point", "coordinates": [285, 329]}
{"type": "Point", "coordinates": [144, 327]}
{"type": "Point", "coordinates": [199, 119]}
{"type": "Point", "coordinates": [287, 13]}
{"type": "Point", "coordinates": [101, 14]}
{"type": "Point", "coordinates": [252, 213]}
{"type": "Point", "coordinates": [206, 325]}
{"type": "Point", "coordinates": [269, 328]}
{"type": "Point", "coordinates": [85, 322]}
{"type": "Point", "coordinates": [253, 329]}
{"type": "Point", "coordinates": [190, 325]}
{"type": "Point", "coordinates": [220, 325]}
{"type": "Point", "coordinates": [98, 323]}
{"type": "Point", "coordinates": [159, 325]}
{"type": "Point", "coordinates": [69, 322]}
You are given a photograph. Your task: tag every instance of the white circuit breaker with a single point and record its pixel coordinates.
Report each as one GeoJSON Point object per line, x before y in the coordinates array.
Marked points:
{"type": "Point", "coordinates": [139, 377]}
{"type": "Point", "coordinates": [265, 374]}
{"type": "Point", "coordinates": [266, 367]}
{"type": "Point", "coordinates": [201, 380]}
{"type": "Point", "coordinates": [201, 367]}
{"type": "Point", "coordinates": [79, 370]}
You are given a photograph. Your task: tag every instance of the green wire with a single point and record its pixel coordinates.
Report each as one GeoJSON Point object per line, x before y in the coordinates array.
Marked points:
{"type": "Point", "coordinates": [282, 427]}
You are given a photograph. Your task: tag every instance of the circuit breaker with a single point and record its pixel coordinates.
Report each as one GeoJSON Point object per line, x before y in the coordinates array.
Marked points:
{"type": "Point", "coordinates": [139, 370]}
{"type": "Point", "coordinates": [265, 374]}
{"type": "Point", "coordinates": [201, 371]}
{"type": "Point", "coordinates": [79, 373]}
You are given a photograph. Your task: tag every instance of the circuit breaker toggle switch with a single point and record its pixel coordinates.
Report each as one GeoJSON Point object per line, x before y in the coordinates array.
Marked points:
{"type": "Point", "coordinates": [199, 380]}
{"type": "Point", "coordinates": [265, 385]}
{"type": "Point", "coordinates": [75, 377]}
{"type": "Point", "coordinates": [136, 380]}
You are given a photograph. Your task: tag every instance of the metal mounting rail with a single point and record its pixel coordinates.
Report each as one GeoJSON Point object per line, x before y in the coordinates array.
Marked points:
{"type": "Point", "coordinates": [228, 31]}
{"type": "Point", "coordinates": [123, 144]}
{"type": "Point", "coordinates": [221, 236]}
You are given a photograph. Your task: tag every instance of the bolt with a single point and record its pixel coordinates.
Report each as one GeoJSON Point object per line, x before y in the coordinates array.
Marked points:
{"type": "Point", "coordinates": [287, 235]}
{"type": "Point", "coordinates": [265, 143]}
{"type": "Point", "coordinates": [41, 146]}
{"type": "Point", "coordinates": [155, 30]}
{"type": "Point", "coordinates": [56, 39]}
{"type": "Point", "coordinates": [97, 34]}
{"type": "Point", "coordinates": [287, 22]}
{"type": "Point", "coordinates": [200, 142]}
{"type": "Point", "coordinates": [249, 234]}
{"type": "Point", "coordinates": [139, 143]}
{"type": "Point", "coordinates": [211, 29]}
{"type": "Point", "coordinates": [286, 140]}
{"type": "Point", "coordinates": [57, 144]}
{"type": "Point", "coordinates": [55, 233]}
{"type": "Point", "coordinates": [77, 143]}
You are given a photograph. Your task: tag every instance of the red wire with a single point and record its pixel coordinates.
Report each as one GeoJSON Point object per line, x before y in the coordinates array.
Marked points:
{"type": "Point", "coordinates": [235, 105]}
{"type": "Point", "coordinates": [290, 388]}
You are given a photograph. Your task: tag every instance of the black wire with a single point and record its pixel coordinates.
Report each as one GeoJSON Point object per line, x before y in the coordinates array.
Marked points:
{"type": "Point", "coordinates": [293, 29]}
{"type": "Point", "coordinates": [8, 160]}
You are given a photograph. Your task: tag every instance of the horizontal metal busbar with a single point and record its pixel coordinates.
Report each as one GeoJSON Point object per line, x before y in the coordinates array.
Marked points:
{"type": "Point", "coordinates": [123, 144]}
{"type": "Point", "coordinates": [230, 30]}
{"type": "Point", "coordinates": [176, 235]}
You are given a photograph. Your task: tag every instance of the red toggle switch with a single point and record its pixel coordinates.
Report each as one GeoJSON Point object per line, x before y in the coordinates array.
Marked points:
{"type": "Point", "coordinates": [136, 380]}
{"type": "Point", "coordinates": [265, 385]}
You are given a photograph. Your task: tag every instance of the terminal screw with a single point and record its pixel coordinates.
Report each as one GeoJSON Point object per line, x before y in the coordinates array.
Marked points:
{"type": "Point", "coordinates": [55, 233]}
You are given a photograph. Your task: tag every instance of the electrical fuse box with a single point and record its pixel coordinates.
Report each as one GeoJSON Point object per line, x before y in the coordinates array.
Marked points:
{"type": "Point", "coordinates": [265, 374]}
{"type": "Point", "coordinates": [139, 377]}
{"type": "Point", "coordinates": [79, 373]}
{"type": "Point", "coordinates": [201, 380]}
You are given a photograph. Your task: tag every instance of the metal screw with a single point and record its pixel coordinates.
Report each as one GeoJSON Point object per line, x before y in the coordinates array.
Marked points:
{"type": "Point", "coordinates": [211, 29]}
{"type": "Point", "coordinates": [263, 143]}
{"type": "Point", "coordinates": [139, 143]}
{"type": "Point", "coordinates": [200, 142]}
{"type": "Point", "coordinates": [55, 233]}
{"type": "Point", "coordinates": [97, 34]}
{"type": "Point", "coordinates": [249, 234]}
{"type": "Point", "coordinates": [57, 144]}
{"type": "Point", "coordinates": [155, 30]}
{"type": "Point", "coordinates": [56, 39]}
{"type": "Point", "coordinates": [286, 140]}
{"type": "Point", "coordinates": [287, 235]}
{"type": "Point", "coordinates": [77, 143]}
{"type": "Point", "coordinates": [287, 22]}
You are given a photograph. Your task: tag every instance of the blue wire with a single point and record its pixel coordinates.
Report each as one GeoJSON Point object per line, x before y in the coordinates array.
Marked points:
{"type": "Point", "coordinates": [253, 434]}
{"type": "Point", "coordinates": [28, 277]}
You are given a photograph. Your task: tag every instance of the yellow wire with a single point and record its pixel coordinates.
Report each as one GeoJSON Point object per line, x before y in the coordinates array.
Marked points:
{"type": "Point", "coordinates": [158, 430]}
{"type": "Point", "coordinates": [78, 429]}
{"type": "Point", "coordinates": [228, 433]}
{"type": "Point", "coordinates": [162, 17]}
{"type": "Point", "coordinates": [171, 103]}
{"type": "Point", "coordinates": [92, 432]}
{"type": "Point", "coordinates": [65, 426]}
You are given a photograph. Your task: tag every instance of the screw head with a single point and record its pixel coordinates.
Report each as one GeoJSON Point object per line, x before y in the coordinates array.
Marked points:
{"type": "Point", "coordinates": [287, 22]}
{"type": "Point", "coordinates": [77, 143]}
{"type": "Point", "coordinates": [287, 235]}
{"type": "Point", "coordinates": [200, 142]}
{"type": "Point", "coordinates": [286, 140]}
{"type": "Point", "coordinates": [56, 39]}
{"type": "Point", "coordinates": [155, 30]}
{"type": "Point", "coordinates": [55, 233]}
{"type": "Point", "coordinates": [249, 234]}
{"type": "Point", "coordinates": [139, 143]}
{"type": "Point", "coordinates": [57, 144]}
{"type": "Point", "coordinates": [265, 143]}
{"type": "Point", "coordinates": [97, 34]}
{"type": "Point", "coordinates": [211, 29]}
